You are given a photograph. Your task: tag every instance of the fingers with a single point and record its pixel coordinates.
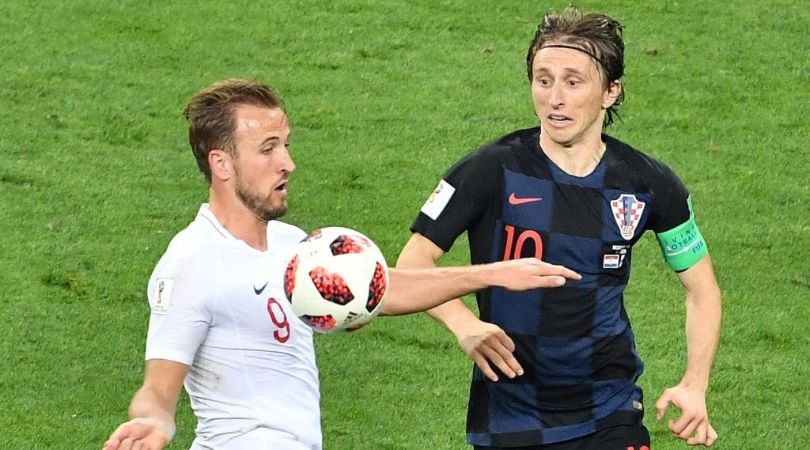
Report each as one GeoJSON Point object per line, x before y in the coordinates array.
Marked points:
{"type": "Point", "coordinates": [547, 281]}
{"type": "Point", "coordinates": [483, 365]}
{"type": "Point", "coordinates": [685, 426]}
{"type": "Point", "coordinates": [565, 272]}
{"type": "Point", "coordinates": [704, 434]}
{"type": "Point", "coordinates": [661, 405]}
{"type": "Point", "coordinates": [692, 426]}
{"type": "Point", "coordinates": [126, 444]}
{"type": "Point", "coordinates": [129, 444]}
{"type": "Point", "coordinates": [700, 435]}
{"type": "Point", "coordinates": [711, 436]}
{"type": "Point", "coordinates": [698, 432]}
{"type": "Point", "coordinates": [137, 434]}
{"type": "Point", "coordinates": [132, 429]}
{"type": "Point", "coordinates": [546, 269]}
{"type": "Point", "coordinates": [507, 365]}
{"type": "Point", "coordinates": [499, 352]}
{"type": "Point", "coordinates": [494, 348]}
{"type": "Point", "coordinates": [120, 444]}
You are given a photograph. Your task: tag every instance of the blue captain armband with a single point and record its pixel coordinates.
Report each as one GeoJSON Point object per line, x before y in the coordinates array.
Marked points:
{"type": "Point", "coordinates": [683, 246]}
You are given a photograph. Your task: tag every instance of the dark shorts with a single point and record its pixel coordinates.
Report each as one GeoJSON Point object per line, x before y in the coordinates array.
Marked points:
{"type": "Point", "coordinates": [620, 437]}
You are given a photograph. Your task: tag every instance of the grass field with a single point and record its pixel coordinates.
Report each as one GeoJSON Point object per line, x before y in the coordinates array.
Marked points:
{"type": "Point", "coordinates": [383, 96]}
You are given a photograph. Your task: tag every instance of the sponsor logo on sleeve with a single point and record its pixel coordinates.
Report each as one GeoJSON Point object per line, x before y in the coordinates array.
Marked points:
{"type": "Point", "coordinates": [627, 211]}
{"type": "Point", "coordinates": [162, 300]}
{"type": "Point", "coordinates": [437, 201]}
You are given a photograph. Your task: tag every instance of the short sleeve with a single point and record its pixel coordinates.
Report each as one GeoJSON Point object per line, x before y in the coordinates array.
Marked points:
{"type": "Point", "coordinates": [460, 199]}
{"type": "Point", "coordinates": [670, 201]}
{"type": "Point", "coordinates": [180, 302]}
{"type": "Point", "coordinates": [673, 221]}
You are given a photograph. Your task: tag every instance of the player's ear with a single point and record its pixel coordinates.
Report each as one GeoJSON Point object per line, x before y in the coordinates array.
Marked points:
{"type": "Point", "coordinates": [220, 163]}
{"type": "Point", "coordinates": [612, 94]}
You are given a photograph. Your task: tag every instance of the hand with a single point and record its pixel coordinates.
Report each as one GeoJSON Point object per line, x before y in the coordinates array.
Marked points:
{"type": "Point", "coordinates": [693, 425]}
{"type": "Point", "coordinates": [484, 343]}
{"type": "Point", "coordinates": [138, 434]}
{"type": "Point", "coordinates": [530, 273]}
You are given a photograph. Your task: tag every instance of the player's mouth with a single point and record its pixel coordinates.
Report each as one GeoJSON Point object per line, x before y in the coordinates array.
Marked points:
{"type": "Point", "coordinates": [558, 120]}
{"type": "Point", "coordinates": [281, 188]}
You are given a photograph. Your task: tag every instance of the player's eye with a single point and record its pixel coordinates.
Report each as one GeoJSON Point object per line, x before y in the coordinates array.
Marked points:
{"type": "Point", "coordinates": [543, 81]}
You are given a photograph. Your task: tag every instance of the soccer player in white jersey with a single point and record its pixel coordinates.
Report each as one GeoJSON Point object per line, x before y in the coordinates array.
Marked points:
{"type": "Point", "coordinates": [220, 324]}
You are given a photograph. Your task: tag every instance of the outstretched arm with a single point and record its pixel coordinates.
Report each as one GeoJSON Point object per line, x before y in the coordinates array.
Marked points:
{"type": "Point", "coordinates": [415, 290]}
{"type": "Point", "coordinates": [703, 316]}
{"type": "Point", "coordinates": [152, 409]}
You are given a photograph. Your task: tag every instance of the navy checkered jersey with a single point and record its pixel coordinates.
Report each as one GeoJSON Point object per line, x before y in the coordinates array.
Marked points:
{"type": "Point", "coordinates": [575, 342]}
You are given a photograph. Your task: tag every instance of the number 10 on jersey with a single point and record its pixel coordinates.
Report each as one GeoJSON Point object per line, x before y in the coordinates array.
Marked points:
{"type": "Point", "coordinates": [519, 243]}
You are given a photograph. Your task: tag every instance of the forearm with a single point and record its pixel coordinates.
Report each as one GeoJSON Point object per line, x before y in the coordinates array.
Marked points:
{"type": "Point", "coordinates": [420, 253]}
{"type": "Point", "coordinates": [414, 290]}
{"type": "Point", "coordinates": [420, 285]}
{"type": "Point", "coordinates": [150, 404]}
{"type": "Point", "coordinates": [453, 315]}
{"type": "Point", "coordinates": [703, 318]}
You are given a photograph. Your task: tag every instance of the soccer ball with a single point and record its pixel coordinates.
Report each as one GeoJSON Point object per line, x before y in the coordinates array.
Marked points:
{"type": "Point", "coordinates": [336, 280]}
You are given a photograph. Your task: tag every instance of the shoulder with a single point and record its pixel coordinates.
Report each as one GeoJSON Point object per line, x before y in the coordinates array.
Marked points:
{"type": "Point", "coordinates": [187, 251]}
{"type": "Point", "coordinates": [508, 147]}
{"type": "Point", "coordinates": [510, 143]}
{"type": "Point", "coordinates": [641, 164]}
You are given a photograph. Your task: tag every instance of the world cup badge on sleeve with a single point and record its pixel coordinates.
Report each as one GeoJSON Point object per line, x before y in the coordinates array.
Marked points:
{"type": "Point", "coordinates": [161, 301]}
{"type": "Point", "coordinates": [627, 211]}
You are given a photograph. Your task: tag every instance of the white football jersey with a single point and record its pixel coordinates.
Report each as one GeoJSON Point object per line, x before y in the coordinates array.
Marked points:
{"type": "Point", "coordinates": [218, 306]}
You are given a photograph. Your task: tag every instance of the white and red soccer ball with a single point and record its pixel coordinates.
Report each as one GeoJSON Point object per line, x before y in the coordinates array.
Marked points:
{"type": "Point", "coordinates": [336, 280]}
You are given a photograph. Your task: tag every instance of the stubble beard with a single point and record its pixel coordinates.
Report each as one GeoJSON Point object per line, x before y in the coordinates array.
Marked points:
{"type": "Point", "coordinates": [258, 205]}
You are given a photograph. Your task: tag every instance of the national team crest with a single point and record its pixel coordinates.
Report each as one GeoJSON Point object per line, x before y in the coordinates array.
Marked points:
{"type": "Point", "coordinates": [627, 211]}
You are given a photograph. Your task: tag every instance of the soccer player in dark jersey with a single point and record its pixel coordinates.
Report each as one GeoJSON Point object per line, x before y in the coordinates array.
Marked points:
{"type": "Point", "coordinates": [558, 368]}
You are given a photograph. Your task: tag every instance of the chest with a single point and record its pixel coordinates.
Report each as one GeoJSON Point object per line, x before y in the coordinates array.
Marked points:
{"type": "Point", "coordinates": [251, 304]}
{"type": "Point", "coordinates": [579, 211]}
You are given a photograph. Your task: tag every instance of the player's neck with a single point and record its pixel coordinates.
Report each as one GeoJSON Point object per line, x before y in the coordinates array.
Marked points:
{"type": "Point", "coordinates": [238, 220]}
{"type": "Point", "coordinates": [578, 159]}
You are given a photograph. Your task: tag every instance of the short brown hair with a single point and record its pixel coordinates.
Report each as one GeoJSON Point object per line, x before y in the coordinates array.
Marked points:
{"type": "Point", "coordinates": [210, 115]}
{"type": "Point", "coordinates": [597, 34]}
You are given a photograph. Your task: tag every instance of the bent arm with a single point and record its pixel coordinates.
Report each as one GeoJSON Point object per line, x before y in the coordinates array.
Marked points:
{"type": "Point", "coordinates": [703, 317]}
{"type": "Point", "coordinates": [416, 288]}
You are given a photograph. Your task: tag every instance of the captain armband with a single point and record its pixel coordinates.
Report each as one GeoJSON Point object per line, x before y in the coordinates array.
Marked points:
{"type": "Point", "coordinates": [683, 246]}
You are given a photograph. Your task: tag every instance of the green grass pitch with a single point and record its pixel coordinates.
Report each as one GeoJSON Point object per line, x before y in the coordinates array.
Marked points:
{"type": "Point", "coordinates": [96, 177]}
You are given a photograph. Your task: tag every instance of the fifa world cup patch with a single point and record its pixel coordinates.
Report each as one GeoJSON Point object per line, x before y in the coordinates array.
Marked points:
{"type": "Point", "coordinates": [162, 299]}
{"type": "Point", "coordinates": [438, 200]}
{"type": "Point", "coordinates": [627, 211]}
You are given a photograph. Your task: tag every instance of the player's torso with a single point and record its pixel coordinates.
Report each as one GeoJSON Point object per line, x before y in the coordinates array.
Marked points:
{"type": "Point", "coordinates": [588, 224]}
{"type": "Point", "coordinates": [254, 335]}
{"type": "Point", "coordinates": [251, 304]}
{"type": "Point", "coordinates": [574, 342]}
{"type": "Point", "coordinates": [254, 376]}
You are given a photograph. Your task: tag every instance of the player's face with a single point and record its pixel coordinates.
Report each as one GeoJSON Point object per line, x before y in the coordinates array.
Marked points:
{"type": "Point", "coordinates": [262, 163]}
{"type": "Point", "coordinates": [569, 97]}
